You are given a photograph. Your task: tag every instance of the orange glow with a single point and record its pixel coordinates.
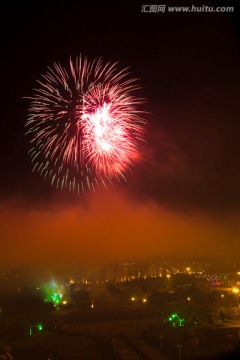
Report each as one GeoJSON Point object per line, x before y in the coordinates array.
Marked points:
{"type": "Point", "coordinates": [108, 228]}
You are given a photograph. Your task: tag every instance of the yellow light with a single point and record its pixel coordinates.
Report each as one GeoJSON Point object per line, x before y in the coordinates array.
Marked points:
{"type": "Point", "coordinates": [222, 296]}
{"type": "Point", "coordinates": [188, 268]}
{"type": "Point", "coordinates": [238, 272]}
{"type": "Point", "coordinates": [144, 300]}
{"type": "Point", "coordinates": [92, 306]}
{"type": "Point", "coordinates": [168, 276]}
{"type": "Point", "coordinates": [64, 302]}
{"type": "Point", "coordinates": [235, 290]}
{"type": "Point", "coordinates": [133, 299]}
{"type": "Point", "coordinates": [72, 281]}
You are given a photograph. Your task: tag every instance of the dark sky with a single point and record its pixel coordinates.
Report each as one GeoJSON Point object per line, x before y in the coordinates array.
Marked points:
{"type": "Point", "coordinates": [184, 197]}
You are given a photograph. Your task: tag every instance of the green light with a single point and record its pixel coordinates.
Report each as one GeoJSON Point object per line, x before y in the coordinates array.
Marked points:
{"type": "Point", "coordinates": [40, 326]}
{"type": "Point", "coordinates": [52, 293]}
{"type": "Point", "coordinates": [56, 299]}
{"type": "Point", "coordinates": [181, 322]}
{"type": "Point", "coordinates": [176, 320]}
{"type": "Point", "coordinates": [53, 297]}
{"type": "Point", "coordinates": [30, 331]}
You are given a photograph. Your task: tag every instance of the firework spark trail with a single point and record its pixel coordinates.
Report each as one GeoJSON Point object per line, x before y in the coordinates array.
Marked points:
{"type": "Point", "coordinates": [84, 124]}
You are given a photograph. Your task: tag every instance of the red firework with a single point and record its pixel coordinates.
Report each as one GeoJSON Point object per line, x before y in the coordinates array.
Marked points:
{"type": "Point", "coordinates": [84, 123]}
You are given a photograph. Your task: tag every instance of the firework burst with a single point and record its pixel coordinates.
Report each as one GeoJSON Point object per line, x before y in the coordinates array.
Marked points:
{"type": "Point", "coordinates": [84, 124]}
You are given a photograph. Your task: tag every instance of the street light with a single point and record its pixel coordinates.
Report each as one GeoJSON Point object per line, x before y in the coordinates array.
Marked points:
{"type": "Point", "coordinates": [235, 292]}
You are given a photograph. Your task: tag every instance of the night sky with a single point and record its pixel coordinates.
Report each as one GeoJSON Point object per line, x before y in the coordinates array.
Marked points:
{"type": "Point", "coordinates": [183, 198]}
